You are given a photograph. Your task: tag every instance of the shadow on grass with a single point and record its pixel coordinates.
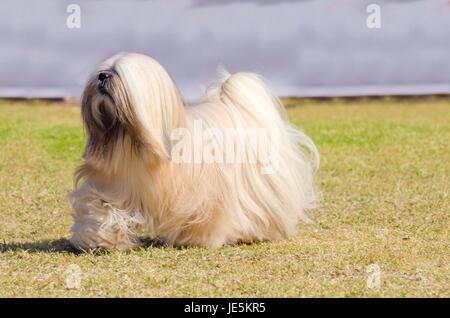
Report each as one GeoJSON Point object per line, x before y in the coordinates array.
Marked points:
{"type": "Point", "coordinates": [46, 246]}
{"type": "Point", "coordinates": [64, 246]}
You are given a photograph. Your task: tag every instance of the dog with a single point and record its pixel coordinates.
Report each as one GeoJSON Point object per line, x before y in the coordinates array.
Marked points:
{"type": "Point", "coordinates": [139, 180]}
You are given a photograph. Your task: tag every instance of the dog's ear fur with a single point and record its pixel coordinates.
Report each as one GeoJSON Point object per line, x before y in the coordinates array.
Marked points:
{"type": "Point", "coordinates": [155, 100]}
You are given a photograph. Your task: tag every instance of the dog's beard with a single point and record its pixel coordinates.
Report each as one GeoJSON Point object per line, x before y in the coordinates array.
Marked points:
{"type": "Point", "coordinates": [108, 117]}
{"type": "Point", "coordinates": [104, 113]}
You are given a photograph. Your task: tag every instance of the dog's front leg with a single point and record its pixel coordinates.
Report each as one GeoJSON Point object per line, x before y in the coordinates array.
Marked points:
{"type": "Point", "coordinates": [99, 225]}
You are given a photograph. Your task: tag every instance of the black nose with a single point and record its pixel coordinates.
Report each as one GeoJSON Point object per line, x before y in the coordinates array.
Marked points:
{"type": "Point", "coordinates": [103, 75]}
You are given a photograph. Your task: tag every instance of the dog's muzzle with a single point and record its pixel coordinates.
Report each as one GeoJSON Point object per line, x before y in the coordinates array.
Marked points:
{"type": "Point", "coordinates": [103, 78]}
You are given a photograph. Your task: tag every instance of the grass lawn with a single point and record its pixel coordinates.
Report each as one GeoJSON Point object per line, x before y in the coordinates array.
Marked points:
{"type": "Point", "coordinates": [385, 177]}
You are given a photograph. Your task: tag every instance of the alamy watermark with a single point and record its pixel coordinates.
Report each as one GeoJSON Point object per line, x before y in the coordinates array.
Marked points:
{"type": "Point", "coordinates": [73, 276]}
{"type": "Point", "coordinates": [201, 144]}
{"type": "Point", "coordinates": [373, 21]}
{"type": "Point", "coordinates": [73, 20]}
{"type": "Point", "coordinates": [373, 276]}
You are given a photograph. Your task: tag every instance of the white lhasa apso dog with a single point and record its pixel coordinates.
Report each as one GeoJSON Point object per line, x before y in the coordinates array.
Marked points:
{"type": "Point", "coordinates": [143, 177]}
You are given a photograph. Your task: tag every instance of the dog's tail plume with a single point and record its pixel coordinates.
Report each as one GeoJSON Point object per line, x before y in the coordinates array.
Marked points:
{"type": "Point", "coordinates": [250, 93]}
{"type": "Point", "coordinates": [249, 98]}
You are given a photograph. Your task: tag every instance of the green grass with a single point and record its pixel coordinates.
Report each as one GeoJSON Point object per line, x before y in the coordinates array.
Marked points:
{"type": "Point", "coordinates": [385, 178]}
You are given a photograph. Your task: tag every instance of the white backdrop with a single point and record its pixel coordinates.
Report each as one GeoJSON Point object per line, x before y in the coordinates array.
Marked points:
{"type": "Point", "coordinates": [309, 47]}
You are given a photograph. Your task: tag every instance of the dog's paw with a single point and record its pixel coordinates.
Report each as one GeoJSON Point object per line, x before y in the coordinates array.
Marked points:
{"type": "Point", "coordinates": [153, 242]}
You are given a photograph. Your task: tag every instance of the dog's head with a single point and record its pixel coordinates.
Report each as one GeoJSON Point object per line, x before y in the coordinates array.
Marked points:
{"type": "Point", "coordinates": [130, 103]}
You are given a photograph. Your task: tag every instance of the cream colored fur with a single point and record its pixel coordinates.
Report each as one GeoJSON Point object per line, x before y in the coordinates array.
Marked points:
{"type": "Point", "coordinates": [130, 186]}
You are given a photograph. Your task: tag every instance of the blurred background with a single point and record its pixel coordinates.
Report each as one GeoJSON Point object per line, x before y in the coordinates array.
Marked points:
{"type": "Point", "coordinates": [309, 48]}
